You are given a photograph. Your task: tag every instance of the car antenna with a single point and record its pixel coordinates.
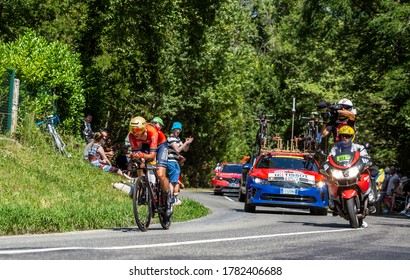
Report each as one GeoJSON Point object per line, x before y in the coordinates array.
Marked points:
{"type": "Point", "coordinates": [293, 123]}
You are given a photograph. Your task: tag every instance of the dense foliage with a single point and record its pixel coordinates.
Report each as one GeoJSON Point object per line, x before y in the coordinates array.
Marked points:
{"type": "Point", "coordinates": [214, 64]}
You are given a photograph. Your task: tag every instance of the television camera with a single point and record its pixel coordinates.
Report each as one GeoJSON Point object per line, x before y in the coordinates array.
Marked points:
{"type": "Point", "coordinates": [331, 110]}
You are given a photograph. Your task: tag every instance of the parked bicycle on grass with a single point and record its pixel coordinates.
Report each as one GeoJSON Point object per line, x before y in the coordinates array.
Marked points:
{"type": "Point", "coordinates": [51, 123]}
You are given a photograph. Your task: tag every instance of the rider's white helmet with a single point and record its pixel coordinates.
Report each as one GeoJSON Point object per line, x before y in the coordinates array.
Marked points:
{"type": "Point", "coordinates": [346, 103]}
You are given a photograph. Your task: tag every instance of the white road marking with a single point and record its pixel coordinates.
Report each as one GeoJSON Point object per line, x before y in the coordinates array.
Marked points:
{"type": "Point", "coordinates": [228, 198]}
{"type": "Point", "coordinates": [30, 251]}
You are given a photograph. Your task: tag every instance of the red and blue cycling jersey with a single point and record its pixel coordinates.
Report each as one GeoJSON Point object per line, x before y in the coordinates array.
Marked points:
{"type": "Point", "coordinates": [154, 141]}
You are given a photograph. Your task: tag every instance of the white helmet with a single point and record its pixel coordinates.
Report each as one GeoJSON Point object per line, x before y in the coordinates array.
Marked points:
{"type": "Point", "coordinates": [346, 103]}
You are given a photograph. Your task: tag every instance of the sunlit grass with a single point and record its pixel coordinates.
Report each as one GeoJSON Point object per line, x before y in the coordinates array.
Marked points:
{"type": "Point", "coordinates": [41, 192]}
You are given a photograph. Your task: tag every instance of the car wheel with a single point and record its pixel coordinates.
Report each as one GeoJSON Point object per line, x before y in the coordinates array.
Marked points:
{"type": "Point", "coordinates": [249, 207]}
{"type": "Point", "coordinates": [318, 211]}
{"type": "Point", "coordinates": [217, 193]}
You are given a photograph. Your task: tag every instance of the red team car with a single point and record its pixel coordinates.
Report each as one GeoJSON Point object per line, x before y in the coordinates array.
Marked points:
{"type": "Point", "coordinates": [227, 178]}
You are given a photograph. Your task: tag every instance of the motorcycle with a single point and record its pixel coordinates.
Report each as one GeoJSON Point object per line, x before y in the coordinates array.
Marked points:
{"type": "Point", "coordinates": [349, 184]}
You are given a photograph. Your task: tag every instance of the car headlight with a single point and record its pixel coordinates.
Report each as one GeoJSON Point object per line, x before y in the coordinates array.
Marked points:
{"type": "Point", "coordinates": [219, 178]}
{"type": "Point", "coordinates": [260, 181]}
{"type": "Point", "coordinates": [320, 184]}
{"type": "Point", "coordinates": [337, 174]}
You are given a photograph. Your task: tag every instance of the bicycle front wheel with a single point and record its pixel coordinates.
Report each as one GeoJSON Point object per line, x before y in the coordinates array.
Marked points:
{"type": "Point", "coordinates": [142, 204]}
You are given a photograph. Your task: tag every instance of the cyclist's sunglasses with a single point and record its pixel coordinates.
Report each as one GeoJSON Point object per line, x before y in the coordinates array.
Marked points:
{"type": "Point", "coordinates": [348, 136]}
{"type": "Point", "coordinates": [138, 131]}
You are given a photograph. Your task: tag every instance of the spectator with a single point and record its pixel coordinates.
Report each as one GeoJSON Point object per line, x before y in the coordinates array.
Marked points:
{"type": "Point", "coordinates": [97, 157]}
{"type": "Point", "coordinates": [398, 195]}
{"type": "Point", "coordinates": [406, 192]}
{"type": "Point", "coordinates": [87, 148]}
{"type": "Point", "coordinates": [379, 180]}
{"type": "Point", "coordinates": [122, 158]}
{"type": "Point", "coordinates": [175, 147]}
{"type": "Point", "coordinates": [393, 183]}
{"type": "Point", "coordinates": [158, 123]}
{"type": "Point", "coordinates": [383, 190]}
{"type": "Point", "coordinates": [109, 148]}
{"type": "Point", "coordinates": [86, 130]}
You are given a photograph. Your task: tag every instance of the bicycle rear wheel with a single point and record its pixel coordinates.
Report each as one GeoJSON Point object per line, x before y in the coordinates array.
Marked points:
{"type": "Point", "coordinates": [163, 219]}
{"type": "Point", "coordinates": [142, 204]}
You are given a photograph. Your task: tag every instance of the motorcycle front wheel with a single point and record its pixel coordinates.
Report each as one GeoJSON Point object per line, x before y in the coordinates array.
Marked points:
{"type": "Point", "coordinates": [352, 213]}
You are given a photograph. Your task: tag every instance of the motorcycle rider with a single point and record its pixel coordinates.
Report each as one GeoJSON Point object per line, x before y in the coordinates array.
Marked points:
{"type": "Point", "coordinates": [346, 134]}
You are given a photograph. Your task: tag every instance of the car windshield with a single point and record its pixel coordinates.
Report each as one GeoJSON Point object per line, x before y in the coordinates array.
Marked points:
{"type": "Point", "coordinates": [232, 169]}
{"type": "Point", "coordinates": [287, 163]}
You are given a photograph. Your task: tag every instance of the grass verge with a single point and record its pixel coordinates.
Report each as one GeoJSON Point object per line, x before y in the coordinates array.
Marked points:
{"type": "Point", "coordinates": [43, 192]}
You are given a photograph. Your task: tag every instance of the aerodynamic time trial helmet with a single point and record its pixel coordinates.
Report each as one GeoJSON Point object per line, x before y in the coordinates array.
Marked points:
{"type": "Point", "coordinates": [138, 125]}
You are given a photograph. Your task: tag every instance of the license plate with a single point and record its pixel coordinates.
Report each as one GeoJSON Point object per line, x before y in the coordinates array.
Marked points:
{"type": "Point", "coordinates": [233, 185]}
{"type": "Point", "coordinates": [288, 191]}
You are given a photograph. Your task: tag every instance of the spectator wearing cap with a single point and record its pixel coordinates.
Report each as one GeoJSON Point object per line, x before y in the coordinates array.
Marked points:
{"type": "Point", "coordinates": [158, 123]}
{"type": "Point", "coordinates": [175, 147]}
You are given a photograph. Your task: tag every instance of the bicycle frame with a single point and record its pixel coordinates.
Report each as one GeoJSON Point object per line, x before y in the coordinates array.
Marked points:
{"type": "Point", "coordinates": [148, 194]}
{"type": "Point", "coordinates": [57, 142]}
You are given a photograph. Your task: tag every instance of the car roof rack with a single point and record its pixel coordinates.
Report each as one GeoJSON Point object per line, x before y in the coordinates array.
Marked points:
{"type": "Point", "coordinates": [291, 147]}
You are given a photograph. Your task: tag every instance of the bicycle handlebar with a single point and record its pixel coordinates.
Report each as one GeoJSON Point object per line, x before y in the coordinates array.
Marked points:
{"type": "Point", "coordinates": [50, 119]}
{"type": "Point", "coordinates": [147, 166]}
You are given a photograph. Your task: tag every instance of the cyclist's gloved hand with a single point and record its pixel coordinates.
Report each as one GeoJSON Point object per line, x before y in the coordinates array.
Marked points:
{"type": "Point", "coordinates": [137, 155]}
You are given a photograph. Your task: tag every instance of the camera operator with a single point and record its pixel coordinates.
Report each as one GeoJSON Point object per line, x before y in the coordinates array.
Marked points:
{"type": "Point", "coordinates": [338, 115]}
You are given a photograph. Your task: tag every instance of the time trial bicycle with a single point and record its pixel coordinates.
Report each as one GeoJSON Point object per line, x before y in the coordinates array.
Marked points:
{"type": "Point", "coordinates": [51, 123]}
{"type": "Point", "coordinates": [149, 198]}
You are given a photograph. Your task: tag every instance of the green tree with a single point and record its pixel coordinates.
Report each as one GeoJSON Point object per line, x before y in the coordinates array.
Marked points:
{"type": "Point", "coordinates": [50, 74]}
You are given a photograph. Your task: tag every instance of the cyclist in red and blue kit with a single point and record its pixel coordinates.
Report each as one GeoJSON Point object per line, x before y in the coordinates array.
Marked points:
{"type": "Point", "coordinates": [149, 142]}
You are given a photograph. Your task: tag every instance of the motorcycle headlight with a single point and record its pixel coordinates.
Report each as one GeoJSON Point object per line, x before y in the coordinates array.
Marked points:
{"type": "Point", "coordinates": [353, 172]}
{"type": "Point", "coordinates": [260, 181]}
{"type": "Point", "coordinates": [337, 174]}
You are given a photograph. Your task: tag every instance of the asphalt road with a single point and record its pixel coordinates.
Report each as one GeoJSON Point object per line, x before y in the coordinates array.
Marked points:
{"type": "Point", "coordinates": [228, 233]}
